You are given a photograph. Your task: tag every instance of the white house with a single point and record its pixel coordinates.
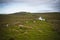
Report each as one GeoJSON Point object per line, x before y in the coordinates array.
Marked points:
{"type": "Point", "coordinates": [42, 19]}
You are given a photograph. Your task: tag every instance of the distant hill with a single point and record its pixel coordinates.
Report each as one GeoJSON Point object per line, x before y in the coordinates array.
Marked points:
{"type": "Point", "coordinates": [28, 15]}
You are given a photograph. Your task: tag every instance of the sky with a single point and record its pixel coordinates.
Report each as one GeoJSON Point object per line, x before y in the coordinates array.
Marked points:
{"type": "Point", "coordinates": [12, 6]}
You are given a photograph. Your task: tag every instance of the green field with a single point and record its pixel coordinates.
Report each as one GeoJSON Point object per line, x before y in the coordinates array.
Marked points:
{"type": "Point", "coordinates": [27, 26]}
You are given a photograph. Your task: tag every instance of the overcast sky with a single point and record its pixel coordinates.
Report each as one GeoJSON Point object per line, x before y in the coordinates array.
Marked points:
{"type": "Point", "coordinates": [11, 6]}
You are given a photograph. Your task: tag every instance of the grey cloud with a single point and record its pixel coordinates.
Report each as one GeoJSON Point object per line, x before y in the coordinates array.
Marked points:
{"type": "Point", "coordinates": [9, 1]}
{"type": "Point", "coordinates": [5, 1]}
{"type": "Point", "coordinates": [34, 1]}
{"type": "Point", "coordinates": [50, 4]}
{"type": "Point", "coordinates": [57, 6]}
{"type": "Point", "coordinates": [31, 2]}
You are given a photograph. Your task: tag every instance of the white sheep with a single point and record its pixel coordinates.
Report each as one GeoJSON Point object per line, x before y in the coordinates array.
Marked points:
{"type": "Point", "coordinates": [21, 25]}
{"type": "Point", "coordinates": [7, 25]}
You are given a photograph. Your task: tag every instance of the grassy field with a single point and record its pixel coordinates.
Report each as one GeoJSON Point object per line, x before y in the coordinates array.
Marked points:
{"type": "Point", "coordinates": [27, 26]}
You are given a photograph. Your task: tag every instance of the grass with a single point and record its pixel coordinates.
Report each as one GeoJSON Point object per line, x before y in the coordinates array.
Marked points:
{"type": "Point", "coordinates": [38, 30]}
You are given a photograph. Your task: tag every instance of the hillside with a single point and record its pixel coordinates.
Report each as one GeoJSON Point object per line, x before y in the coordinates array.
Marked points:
{"type": "Point", "coordinates": [27, 26]}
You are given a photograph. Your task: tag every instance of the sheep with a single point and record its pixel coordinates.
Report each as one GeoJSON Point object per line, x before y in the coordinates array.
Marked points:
{"type": "Point", "coordinates": [21, 25]}
{"type": "Point", "coordinates": [7, 25]}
